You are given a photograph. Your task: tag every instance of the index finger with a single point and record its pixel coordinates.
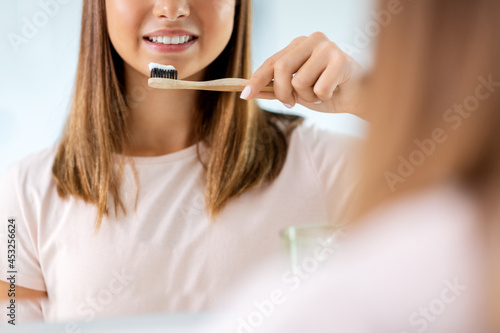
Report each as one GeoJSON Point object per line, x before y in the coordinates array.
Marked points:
{"type": "Point", "coordinates": [265, 73]}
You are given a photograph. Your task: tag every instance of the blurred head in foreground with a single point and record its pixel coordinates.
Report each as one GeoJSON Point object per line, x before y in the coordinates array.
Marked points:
{"type": "Point", "coordinates": [435, 95]}
{"type": "Point", "coordinates": [413, 258]}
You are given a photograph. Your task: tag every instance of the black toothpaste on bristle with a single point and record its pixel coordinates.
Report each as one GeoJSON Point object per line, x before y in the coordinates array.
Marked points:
{"type": "Point", "coordinates": [162, 71]}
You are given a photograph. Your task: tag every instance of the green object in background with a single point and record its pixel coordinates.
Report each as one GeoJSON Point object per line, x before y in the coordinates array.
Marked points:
{"type": "Point", "coordinates": [310, 243]}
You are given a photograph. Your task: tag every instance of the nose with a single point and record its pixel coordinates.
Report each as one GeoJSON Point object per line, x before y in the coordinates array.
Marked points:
{"type": "Point", "coordinates": [171, 9]}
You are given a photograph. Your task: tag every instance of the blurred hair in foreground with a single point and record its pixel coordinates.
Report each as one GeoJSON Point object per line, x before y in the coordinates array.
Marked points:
{"type": "Point", "coordinates": [437, 68]}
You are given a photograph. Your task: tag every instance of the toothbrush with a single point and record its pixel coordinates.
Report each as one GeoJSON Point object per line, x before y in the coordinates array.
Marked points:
{"type": "Point", "coordinates": [165, 77]}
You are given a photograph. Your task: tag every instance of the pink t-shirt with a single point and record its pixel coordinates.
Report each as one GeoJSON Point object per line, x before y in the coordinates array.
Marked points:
{"type": "Point", "coordinates": [167, 255]}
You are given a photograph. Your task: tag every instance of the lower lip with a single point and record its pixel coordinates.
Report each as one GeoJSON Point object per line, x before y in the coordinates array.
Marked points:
{"type": "Point", "coordinates": [169, 48]}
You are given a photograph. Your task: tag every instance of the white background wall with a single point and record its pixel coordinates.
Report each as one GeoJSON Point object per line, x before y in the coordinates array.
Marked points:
{"type": "Point", "coordinates": [37, 76]}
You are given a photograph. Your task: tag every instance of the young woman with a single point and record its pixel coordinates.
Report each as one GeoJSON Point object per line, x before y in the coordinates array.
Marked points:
{"type": "Point", "coordinates": [158, 200]}
{"type": "Point", "coordinates": [422, 254]}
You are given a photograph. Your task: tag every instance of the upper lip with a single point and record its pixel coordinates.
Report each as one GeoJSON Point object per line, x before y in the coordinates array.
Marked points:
{"type": "Point", "coordinates": [170, 33]}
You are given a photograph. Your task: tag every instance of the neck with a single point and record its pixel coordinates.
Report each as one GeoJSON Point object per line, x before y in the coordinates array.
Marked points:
{"type": "Point", "coordinates": [160, 121]}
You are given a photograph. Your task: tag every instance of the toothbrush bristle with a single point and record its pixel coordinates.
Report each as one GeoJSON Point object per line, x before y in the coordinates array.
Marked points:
{"type": "Point", "coordinates": [162, 71]}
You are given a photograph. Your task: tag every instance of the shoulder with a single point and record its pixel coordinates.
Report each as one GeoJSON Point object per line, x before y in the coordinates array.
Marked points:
{"type": "Point", "coordinates": [440, 210]}
{"type": "Point", "coordinates": [416, 246]}
{"type": "Point", "coordinates": [27, 185]}
{"type": "Point", "coordinates": [312, 134]}
{"type": "Point", "coordinates": [35, 167]}
{"type": "Point", "coordinates": [421, 237]}
{"type": "Point", "coordinates": [301, 131]}
{"type": "Point", "coordinates": [406, 254]}
{"type": "Point", "coordinates": [327, 150]}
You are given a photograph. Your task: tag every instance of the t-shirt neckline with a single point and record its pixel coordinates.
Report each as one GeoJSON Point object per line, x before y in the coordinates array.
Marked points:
{"type": "Point", "coordinates": [171, 157]}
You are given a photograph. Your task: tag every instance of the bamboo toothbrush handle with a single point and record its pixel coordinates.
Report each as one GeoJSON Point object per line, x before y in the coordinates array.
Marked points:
{"type": "Point", "coordinates": [235, 85]}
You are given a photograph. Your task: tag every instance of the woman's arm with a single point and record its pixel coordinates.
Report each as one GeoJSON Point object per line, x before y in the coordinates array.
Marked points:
{"type": "Point", "coordinates": [20, 292]}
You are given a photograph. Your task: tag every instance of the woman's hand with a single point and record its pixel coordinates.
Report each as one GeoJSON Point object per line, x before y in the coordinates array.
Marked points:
{"type": "Point", "coordinates": [326, 78]}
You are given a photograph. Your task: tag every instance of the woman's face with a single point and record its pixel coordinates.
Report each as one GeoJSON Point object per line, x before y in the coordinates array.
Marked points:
{"type": "Point", "coordinates": [142, 31]}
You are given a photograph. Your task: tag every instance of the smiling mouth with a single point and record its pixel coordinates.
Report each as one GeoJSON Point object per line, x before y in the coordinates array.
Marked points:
{"type": "Point", "coordinates": [174, 40]}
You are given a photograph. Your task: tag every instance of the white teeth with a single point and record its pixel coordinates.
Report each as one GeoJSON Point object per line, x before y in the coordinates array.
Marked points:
{"type": "Point", "coordinates": [171, 40]}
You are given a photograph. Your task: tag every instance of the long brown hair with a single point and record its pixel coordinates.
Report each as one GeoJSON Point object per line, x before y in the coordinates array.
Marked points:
{"type": "Point", "coordinates": [248, 146]}
{"type": "Point", "coordinates": [435, 97]}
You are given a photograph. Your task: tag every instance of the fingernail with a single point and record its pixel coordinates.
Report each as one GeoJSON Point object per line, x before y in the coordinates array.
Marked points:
{"type": "Point", "coordinates": [288, 105]}
{"type": "Point", "coordinates": [246, 92]}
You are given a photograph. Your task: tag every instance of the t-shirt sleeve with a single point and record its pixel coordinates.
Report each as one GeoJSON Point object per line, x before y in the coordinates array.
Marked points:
{"type": "Point", "coordinates": [18, 231]}
{"type": "Point", "coordinates": [333, 158]}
